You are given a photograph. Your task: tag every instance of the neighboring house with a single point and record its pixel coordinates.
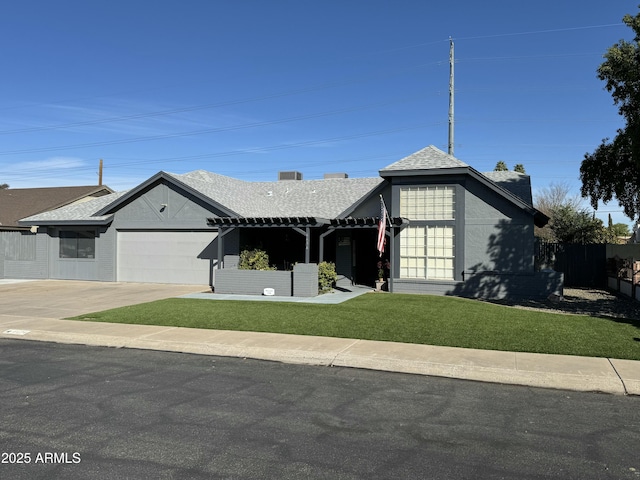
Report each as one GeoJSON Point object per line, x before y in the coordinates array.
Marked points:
{"type": "Point", "coordinates": [17, 242]}
{"type": "Point", "coordinates": [453, 230]}
{"type": "Point", "coordinates": [17, 203]}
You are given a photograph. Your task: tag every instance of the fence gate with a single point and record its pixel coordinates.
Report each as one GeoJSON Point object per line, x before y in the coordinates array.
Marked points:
{"type": "Point", "coordinates": [582, 265]}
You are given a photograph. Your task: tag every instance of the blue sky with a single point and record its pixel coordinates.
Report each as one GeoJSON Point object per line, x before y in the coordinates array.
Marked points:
{"type": "Point", "coordinates": [248, 88]}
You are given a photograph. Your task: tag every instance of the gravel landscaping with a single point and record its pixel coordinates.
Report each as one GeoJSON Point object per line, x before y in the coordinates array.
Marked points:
{"type": "Point", "coordinates": [585, 301]}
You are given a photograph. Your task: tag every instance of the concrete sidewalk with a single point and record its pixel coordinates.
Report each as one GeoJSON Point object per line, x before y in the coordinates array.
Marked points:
{"type": "Point", "coordinates": [538, 370]}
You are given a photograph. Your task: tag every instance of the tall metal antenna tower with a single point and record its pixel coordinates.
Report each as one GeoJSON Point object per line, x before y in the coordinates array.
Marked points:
{"type": "Point", "coordinates": [451, 62]}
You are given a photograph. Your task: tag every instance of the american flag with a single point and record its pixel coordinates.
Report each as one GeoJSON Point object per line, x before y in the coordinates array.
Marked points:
{"type": "Point", "coordinates": [382, 227]}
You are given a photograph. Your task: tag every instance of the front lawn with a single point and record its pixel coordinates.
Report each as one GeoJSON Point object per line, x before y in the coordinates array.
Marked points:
{"type": "Point", "coordinates": [421, 319]}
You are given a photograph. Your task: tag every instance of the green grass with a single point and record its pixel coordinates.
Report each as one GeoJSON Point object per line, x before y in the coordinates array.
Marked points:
{"type": "Point", "coordinates": [420, 319]}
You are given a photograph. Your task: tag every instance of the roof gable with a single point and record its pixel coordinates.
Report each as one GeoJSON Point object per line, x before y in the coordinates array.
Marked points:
{"type": "Point", "coordinates": [513, 186]}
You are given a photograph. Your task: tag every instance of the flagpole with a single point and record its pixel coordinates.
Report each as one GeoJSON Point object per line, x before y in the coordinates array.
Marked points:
{"type": "Point", "coordinates": [386, 212]}
{"type": "Point", "coordinates": [387, 218]}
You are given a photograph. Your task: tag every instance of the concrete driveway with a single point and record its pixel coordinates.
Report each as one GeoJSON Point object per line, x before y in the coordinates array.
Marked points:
{"type": "Point", "coordinates": [68, 298]}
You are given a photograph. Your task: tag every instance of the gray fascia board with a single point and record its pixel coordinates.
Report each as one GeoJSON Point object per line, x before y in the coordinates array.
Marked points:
{"type": "Point", "coordinates": [53, 223]}
{"type": "Point", "coordinates": [170, 178]}
{"type": "Point", "coordinates": [377, 189]}
{"type": "Point", "coordinates": [423, 172]}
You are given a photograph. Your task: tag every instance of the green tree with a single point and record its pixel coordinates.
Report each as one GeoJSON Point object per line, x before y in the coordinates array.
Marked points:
{"type": "Point", "coordinates": [621, 229]}
{"type": "Point", "coordinates": [571, 225]}
{"type": "Point", "coordinates": [501, 167]}
{"type": "Point", "coordinates": [519, 168]}
{"type": "Point", "coordinates": [617, 232]}
{"type": "Point", "coordinates": [613, 169]}
{"type": "Point", "coordinates": [4, 186]}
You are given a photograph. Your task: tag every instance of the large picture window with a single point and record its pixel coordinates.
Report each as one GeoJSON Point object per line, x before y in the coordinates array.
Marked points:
{"type": "Point", "coordinates": [77, 244]}
{"type": "Point", "coordinates": [427, 246]}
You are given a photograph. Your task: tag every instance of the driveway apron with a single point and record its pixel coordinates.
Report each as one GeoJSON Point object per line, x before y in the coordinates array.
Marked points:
{"type": "Point", "coordinates": [67, 298]}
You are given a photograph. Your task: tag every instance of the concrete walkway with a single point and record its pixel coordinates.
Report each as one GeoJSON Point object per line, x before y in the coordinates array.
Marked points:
{"type": "Point", "coordinates": [531, 369]}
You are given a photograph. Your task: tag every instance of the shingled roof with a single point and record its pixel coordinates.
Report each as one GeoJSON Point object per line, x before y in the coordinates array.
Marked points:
{"type": "Point", "coordinates": [76, 213]}
{"type": "Point", "coordinates": [330, 198]}
{"type": "Point", "coordinates": [327, 198]}
{"type": "Point", "coordinates": [429, 158]}
{"type": "Point", "coordinates": [17, 203]}
{"type": "Point", "coordinates": [517, 183]}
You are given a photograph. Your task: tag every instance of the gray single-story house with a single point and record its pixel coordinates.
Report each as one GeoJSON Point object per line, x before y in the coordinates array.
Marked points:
{"type": "Point", "coordinates": [452, 230]}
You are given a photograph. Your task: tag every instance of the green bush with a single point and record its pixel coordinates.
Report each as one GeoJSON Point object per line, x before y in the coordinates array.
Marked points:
{"type": "Point", "coordinates": [255, 259]}
{"type": "Point", "coordinates": [327, 276]}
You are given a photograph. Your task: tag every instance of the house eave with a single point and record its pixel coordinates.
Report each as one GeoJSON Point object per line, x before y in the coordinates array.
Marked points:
{"type": "Point", "coordinates": [423, 172]}
{"type": "Point", "coordinates": [54, 223]}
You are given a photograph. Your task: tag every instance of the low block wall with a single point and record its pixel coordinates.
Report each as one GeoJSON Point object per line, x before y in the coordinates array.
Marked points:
{"type": "Point", "coordinates": [252, 282]}
{"type": "Point", "coordinates": [301, 282]}
{"type": "Point", "coordinates": [305, 280]}
{"type": "Point", "coordinates": [624, 287]}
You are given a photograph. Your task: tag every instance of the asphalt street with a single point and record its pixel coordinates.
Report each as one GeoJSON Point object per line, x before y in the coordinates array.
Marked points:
{"type": "Point", "coordinates": [81, 412]}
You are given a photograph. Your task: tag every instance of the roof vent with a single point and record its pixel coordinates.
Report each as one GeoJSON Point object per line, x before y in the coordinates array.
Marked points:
{"type": "Point", "coordinates": [335, 175]}
{"type": "Point", "coordinates": [291, 175]}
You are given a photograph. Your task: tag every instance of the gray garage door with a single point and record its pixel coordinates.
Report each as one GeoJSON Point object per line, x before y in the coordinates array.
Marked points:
{"type": "Point", "coordinates": [165, 257]}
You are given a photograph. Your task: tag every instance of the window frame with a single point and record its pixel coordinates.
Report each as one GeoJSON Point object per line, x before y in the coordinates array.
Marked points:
{"type": "Point", "coordinates": [75, 244]}
{"type": "Point", "coordinates": [455, 224]}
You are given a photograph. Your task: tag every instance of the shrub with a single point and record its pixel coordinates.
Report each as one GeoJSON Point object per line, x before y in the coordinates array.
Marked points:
{"type": "Point", "coordinates": [255, 259]}
{"type": "Point", "coordinates": [327, 276]}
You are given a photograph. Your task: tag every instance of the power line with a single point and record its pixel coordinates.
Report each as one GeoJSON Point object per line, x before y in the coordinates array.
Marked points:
{"type": "Point", "coordinates": [211, 130]}
{"type": "Point", "coordinates": [269, 148]}
{"type": "Point", "coordinates": [536, 32]}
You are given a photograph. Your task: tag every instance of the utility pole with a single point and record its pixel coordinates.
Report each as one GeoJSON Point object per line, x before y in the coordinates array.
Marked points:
{"type": "Point", "coordinates": [100, 173]}
{"type": "Point", "coordinates": [451, 62]}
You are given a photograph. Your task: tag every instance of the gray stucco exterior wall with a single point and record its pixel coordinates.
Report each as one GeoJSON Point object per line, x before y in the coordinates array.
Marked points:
{"type": "Point", "coordinates": [24, 254]}
{"type": "Point", "coordinates": [494, 245]}
{"type": "Point", "coordinates": [498, 234]}
{"type": "Point", "coordinates": [163, 207]}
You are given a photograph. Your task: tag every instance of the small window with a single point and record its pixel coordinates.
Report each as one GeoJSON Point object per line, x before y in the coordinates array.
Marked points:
{"type": "Point", "coordinates": [428, 203]}
{"type": "Point", "coordinates": [77, 244]}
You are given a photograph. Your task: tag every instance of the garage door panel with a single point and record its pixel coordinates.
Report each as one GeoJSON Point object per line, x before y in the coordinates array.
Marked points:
{"type": "Point", "coordinates": [165, 257]}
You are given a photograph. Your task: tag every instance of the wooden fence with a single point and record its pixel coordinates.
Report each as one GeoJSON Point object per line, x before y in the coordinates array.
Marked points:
{"type": "Point", "coordinates": [582, 265]}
